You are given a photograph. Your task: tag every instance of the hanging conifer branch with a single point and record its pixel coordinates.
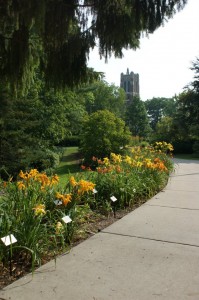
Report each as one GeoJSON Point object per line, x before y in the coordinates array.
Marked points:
{"type": "Point", "coordinates": [57, 36]}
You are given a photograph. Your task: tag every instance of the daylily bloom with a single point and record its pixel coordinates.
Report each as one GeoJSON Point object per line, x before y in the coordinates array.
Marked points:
{"type": "Point", "coordinates": [39, 210]}
{"type": "Point", "coordinates": [21, 185]}
{"type": "Point", "coordinates": [59, 228]}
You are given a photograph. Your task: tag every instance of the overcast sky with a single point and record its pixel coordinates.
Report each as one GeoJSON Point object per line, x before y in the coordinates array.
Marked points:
{"type": "Point", "coordinates": [164, 58]}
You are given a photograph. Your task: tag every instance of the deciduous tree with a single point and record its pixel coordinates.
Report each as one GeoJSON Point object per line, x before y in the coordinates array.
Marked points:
{"type": "Point", "coordinates": [157, 108]}
{"type": "Point", "coordinates": [136, 118]}
{"type": "Point", "coordinates": [102, 96]}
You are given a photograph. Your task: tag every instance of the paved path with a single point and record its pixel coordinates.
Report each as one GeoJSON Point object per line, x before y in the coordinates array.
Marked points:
{"type": "Point", "coordinates": [152, 253]}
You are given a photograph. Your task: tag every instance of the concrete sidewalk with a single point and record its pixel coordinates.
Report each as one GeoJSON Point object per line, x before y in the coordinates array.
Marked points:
{"type": "Point", "coordinates": [152, 253]}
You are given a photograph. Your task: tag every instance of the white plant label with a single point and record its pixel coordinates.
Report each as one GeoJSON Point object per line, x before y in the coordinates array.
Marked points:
{"type": "Point", "coordinates": [67, 219]}
{"type": "Point", "coordinates": [9, 240]}
{"type": "Point", "coordinates": [113, 198]}
{"type": "Point", "coordinates": [58, 202]}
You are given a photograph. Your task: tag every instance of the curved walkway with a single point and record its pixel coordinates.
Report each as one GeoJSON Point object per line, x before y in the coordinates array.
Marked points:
{"type": "Point", "coordinates": [152, 253]}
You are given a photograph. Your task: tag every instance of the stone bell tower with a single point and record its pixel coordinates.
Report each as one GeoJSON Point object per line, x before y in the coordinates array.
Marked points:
{"type": "Point", "coordinates": [130, 83]}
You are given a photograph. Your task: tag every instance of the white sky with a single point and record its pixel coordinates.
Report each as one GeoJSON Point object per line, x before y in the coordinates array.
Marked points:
{"type": "Point", "coordinates": [164, 58]}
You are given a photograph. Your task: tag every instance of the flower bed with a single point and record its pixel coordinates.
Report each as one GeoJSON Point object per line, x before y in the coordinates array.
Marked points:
{"type": "Point", "coordinates": [41, 217]}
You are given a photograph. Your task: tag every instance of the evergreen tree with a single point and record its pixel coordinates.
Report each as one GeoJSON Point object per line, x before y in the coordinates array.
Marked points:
{"type": "Point", "coordinates": [57, 35]}
{"type": "Point", "coordinates": [33, 124]}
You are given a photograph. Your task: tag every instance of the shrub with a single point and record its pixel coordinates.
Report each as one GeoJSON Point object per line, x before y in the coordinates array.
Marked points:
{"type": "Point", "coordinates": [103, 133]}
{"type": "Point", "coordinates": [44, 159]}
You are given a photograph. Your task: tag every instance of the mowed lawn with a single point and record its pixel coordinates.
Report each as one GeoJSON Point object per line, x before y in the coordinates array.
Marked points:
{"type": "Point", "coordinates": [70, 164]}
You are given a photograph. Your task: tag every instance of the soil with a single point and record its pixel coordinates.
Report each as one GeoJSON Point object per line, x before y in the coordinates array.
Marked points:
{"type": "Point", "coordinates": [93, 225]}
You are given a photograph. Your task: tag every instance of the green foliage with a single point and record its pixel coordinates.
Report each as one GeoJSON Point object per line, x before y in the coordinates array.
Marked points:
{"type": "Point", "coordinates": [32, 125]}
{"type": "Point", "coordinates": [43, 160]}
{"type": "Point", "coordinates": [18, 132]}
{"type": "Point", "coordinates": [103, 133]}
{"type": "Point", "coordinates": [165, 130]}
{"type": "Point", "coordinates": [157, 108]}
{"type": "Point", "coordinates": [177, 119]}
{"type": "Point", "coordinates": [75, 112]}
{"type": "Point", "coordinates": [188, 113]}
{"type": "Point", "coordinates": [71, 141]}
{"type": "Point", "coordinates": [130, 178]}
{"type": "Point", "coordinates": [32, 209]}
{"type": "Point", "coordinates": [101, 96]}
{"type": "Point", "coordinates": [195, 83]}
{"type": "Point", "coordinates": [187, 116]}
{"type": "Point", "coordinates": [182, 128]}
{"type": "Point", "coordinates": [29, 37]}
{"type": "Point", "coordinates": [136, 118]}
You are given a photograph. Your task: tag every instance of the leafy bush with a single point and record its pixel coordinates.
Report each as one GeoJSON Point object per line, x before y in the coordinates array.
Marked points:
{"type": "Point", "coordinates": [39, 158]}
{"type": "Point", "coordinates": [44, 159]}
{"type": "Point", "coordinates": [103, 133]}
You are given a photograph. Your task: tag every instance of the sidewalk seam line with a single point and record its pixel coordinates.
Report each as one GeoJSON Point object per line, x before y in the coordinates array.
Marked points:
{"type": "Point", "coordinates": [177, 175]}
{"type": "Point", "coordinates": [186, 208]}
{"type": "Point", "coordinates": [166, 189]}
{"type": "Point", "coordinates": [150, 239]}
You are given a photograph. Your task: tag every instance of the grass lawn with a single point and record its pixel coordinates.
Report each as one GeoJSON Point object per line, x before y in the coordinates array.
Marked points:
{"type": "Point", "coordinates": [69, 164]}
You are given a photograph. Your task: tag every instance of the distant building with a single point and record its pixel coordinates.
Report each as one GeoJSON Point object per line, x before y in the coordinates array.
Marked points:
{"type": "Point", "coordinates": [130, 83]}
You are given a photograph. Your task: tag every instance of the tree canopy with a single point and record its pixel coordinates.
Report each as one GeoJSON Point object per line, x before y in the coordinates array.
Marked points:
{"type": "Point", "coordinates": [195, 68]}
{"type": "Point", "coordinates": [102, 96]}
{"type": "Point", "coordinates": [57, 36]}
{"type": "Point", "coordinates": [188, 105]}
{"type": "Point", "coordinates": [177, 120]}
{"type": "Point", "coordinates": [136, 118]}
{"type": "Point", "coordinates": [157, 108]}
